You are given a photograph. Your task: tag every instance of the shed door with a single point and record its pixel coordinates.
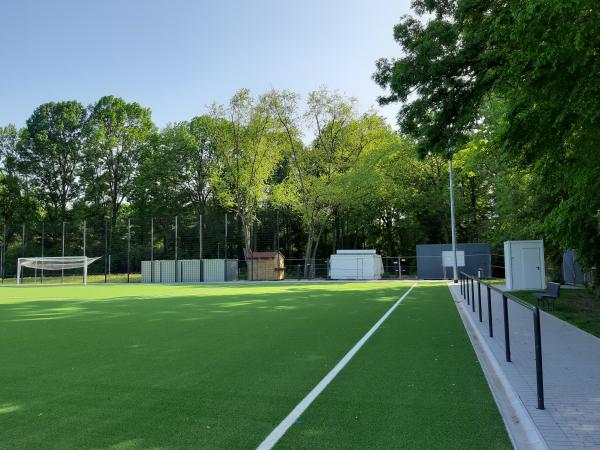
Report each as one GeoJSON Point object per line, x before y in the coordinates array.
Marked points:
{"type": "Point", "coordinates": [532, 262]}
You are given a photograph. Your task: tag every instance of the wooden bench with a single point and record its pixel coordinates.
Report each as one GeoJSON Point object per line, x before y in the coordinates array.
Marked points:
{"type": "Point", "coordinates": [547, 298]}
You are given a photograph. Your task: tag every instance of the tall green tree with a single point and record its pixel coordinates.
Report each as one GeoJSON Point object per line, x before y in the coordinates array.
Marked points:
{"type": "Point", "coordinates": [340, 136]}
{"type": "Point", "coordinates": [118, 133]}
{"type": "Point", "coordinates": [50, 154]}
{"type": "Point", "coordinates": [17, 205]}
{"type": "Point", "coordinates": [176, 169]}
{"type": "Point", "coordinates": [247, 148]}
{"type": "Point", "coordinates": [9, 138]}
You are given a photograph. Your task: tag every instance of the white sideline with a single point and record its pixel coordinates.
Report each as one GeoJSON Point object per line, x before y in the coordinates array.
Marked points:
{"type": "Point", "coordinates": [286, 423]}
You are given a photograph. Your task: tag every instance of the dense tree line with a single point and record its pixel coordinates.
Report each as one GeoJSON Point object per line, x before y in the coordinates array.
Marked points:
{"type": "Point", "coordinates": [335, 177]}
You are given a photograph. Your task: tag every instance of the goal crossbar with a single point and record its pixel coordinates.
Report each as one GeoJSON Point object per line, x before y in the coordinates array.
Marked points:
{"type": "Point", "coordinates": [55, 263]}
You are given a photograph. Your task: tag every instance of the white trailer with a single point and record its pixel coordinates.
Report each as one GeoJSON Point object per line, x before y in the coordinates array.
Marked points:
{"type": "Point", "coordinates": [355, 265]}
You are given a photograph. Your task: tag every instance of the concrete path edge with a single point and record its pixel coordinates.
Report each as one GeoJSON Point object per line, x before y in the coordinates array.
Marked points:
{"type": "Point", "coordinates": [522, 430]}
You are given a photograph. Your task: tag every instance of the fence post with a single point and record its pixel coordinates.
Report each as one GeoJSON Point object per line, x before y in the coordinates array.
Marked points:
{"type": "Point", "coordinates": [175, 249]}
{"type": "Point", "coordinates": [479, 299]}
{"type": "Point", "coordinates": [23, 243]}
{"type": "Point", "coordinates": [399, 267]}
{"type": "Point", "coordinates": [2, 252]}
{"type": "Point", "coordinates": [43, 238]}
{"type": "Point", "coordinates": [84, 252]}
{"type": "Point", "coordinates": [461, 283]}
{"type": "Point", "coordinates": [491, 326]}
{"type": "Point", "coordinates": [506, 330]}
{"type": "Point", "coordinates": [225, 251]}
{"type": "Point", "coordinates": [128, 247]}
{"type": "Point", "coordinates": [201, 248]}
{"type": "Point", "coordinates": [105, 249]}
{"type": "Point", "coordinates": [151, 249]}
{"type": "Point", "coordinates": [473, 294]}
{"type": "Point", "coordinates": [62, 271]}
{"type": "Point", "coordinates": [539, 374]}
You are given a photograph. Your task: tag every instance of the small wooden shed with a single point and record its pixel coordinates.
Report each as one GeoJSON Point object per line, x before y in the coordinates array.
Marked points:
{"type": "Point", "coordinates": [266, 266]}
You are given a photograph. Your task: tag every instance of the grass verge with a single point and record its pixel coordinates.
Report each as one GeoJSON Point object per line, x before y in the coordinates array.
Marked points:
{"type": "Point", "coordinates": [579, 307]}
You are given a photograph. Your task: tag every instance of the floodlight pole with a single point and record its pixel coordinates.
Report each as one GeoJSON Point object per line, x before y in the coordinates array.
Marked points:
{"type": "Point", "coordinates": [452, 218]}
{"type": "Point", "coordinates": [85, 270]}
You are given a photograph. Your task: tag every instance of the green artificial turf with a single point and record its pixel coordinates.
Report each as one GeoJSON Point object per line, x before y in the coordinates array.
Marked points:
{"type": "Point", "coordinates": [416, 384]}
{"type": "Point", "coordinates": [218, 366]}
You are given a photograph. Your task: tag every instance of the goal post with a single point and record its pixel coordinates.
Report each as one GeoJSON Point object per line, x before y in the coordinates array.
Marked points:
{"type": "Point", "coordinates": [58, 263]}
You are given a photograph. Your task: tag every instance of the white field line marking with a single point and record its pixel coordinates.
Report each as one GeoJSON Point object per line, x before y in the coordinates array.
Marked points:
{"type": "Point", "coordinates": [286, 423]}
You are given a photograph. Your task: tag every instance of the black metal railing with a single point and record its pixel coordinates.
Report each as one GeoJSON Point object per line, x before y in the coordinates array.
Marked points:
{"type": "Point", "coordinates": [467, 290]}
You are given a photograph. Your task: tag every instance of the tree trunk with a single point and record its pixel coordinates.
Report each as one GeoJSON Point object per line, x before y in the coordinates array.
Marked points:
{"type": "Point", "coordinates": [247, 226]}
{"type": "Point", "coordinates": [314, 251]}
{"type": "Point", "coordinates": [595, 277]}
{"type": "Point", "coordinates": [308, 252]}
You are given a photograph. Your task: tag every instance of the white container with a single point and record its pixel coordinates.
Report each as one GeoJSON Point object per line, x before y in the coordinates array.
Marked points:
{"type": "Point", "coordinates": [524, 265]}
{"type": "Point", "coordinates": [189, 271]}
{"type": "Point", "coordinates": [356, 265]}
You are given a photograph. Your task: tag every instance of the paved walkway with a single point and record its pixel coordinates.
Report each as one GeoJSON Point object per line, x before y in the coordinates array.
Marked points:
{"type": "Point", "coordinates": [571, 360]}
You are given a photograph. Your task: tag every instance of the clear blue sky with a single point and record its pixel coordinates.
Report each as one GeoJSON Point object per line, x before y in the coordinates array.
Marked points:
{"type": "Point", "coordinates": [178, 56]}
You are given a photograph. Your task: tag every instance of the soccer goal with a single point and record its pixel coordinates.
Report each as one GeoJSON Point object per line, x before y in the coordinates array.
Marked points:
{"type": "Point", "coordinates": [54, 263]}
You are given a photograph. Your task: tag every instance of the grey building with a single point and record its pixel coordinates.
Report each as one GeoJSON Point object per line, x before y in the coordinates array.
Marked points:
{"type": "Point", "coordinates": [434, 264]}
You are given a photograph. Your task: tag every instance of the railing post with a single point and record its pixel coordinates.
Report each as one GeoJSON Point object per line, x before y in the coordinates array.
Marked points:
{"type": "Point", "coordinates": [491, 326]}
{"type": "Point", "coordinates": [506, 330]}
{"type": "Point", "coordinates": [479, 299]}
{"type": "Point", "coordinates": [467, 289]}
{"type": "Point", "coordinates": [461, 283]}
{"type": "Point", "coordinates": [539, 373]}
{"type": "Point", "coordinates": [473, 294]}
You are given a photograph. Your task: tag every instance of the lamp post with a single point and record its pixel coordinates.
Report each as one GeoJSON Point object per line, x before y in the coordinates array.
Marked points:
{"type": "Point", "coordinates": [452, 218]}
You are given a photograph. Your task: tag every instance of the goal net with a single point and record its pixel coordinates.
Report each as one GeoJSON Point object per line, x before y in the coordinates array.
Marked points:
{"type": "Point", "coordinates": [55, 263]}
